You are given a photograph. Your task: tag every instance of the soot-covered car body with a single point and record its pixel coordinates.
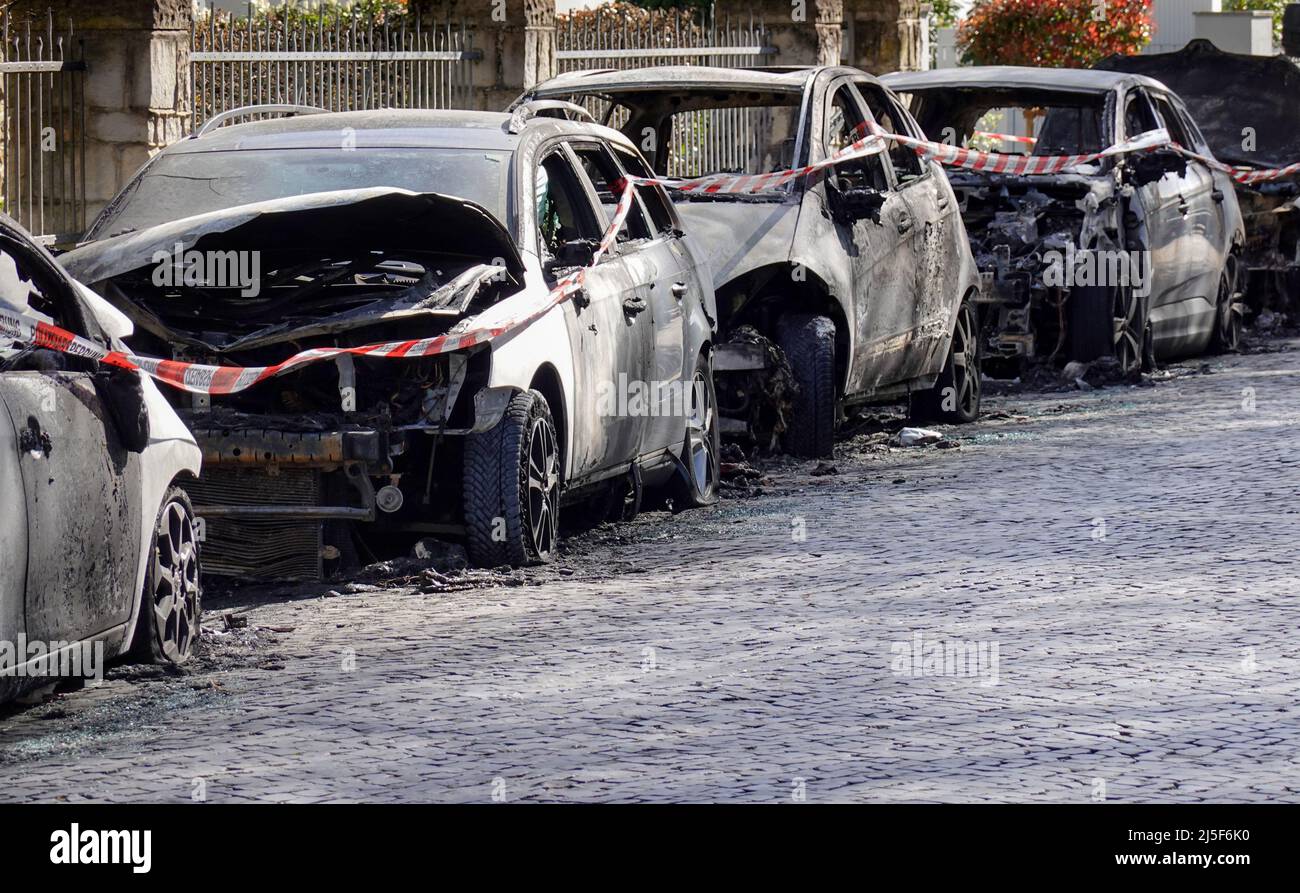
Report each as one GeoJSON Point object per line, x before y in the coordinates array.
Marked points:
{"type": "Point", "coordinates": [1156, 221]}
{"type": "Point", "coordinates": [380, 228]}
{"type": "Point", "coordinates": [862, 274]}
{"type": "Point", "coordinates": [97, 540]}
{"type": "Point", "coordinates": [1246, 106]}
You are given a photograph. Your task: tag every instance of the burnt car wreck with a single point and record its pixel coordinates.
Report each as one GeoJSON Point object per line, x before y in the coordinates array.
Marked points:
{"type": "Point", "coordinates": [1132, 256]}
{"type": "Point", "coordinates": [309, 445]}
{"type": "Point", "coordinates": [859, 277]}
{"type": "Point", "coordinates": [333, 461]}
{"type": "Point", "coordinates": [1246, 107]}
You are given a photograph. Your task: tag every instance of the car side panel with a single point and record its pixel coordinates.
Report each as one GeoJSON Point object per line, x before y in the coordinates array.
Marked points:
{"type": "Point", "coordinates": [13, 536]}
{"type": "Point", "coordinates": [83, 502]}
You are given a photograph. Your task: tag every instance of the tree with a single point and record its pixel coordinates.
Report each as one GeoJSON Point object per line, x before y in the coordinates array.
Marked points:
{"type": "Point", "coordinates": [1053, 33]}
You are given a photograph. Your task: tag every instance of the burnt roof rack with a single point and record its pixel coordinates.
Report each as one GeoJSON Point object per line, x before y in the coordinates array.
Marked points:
{"type": "Point", "coordinates": [536, 108]}
{"type": "Point", "coordinates": [245, 111]}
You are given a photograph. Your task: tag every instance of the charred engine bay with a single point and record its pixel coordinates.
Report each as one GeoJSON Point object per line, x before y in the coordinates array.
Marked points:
{"type": "Point", "coordinates": [1013, 222]}
{"type": "Point", "coordinates": [300, 301]}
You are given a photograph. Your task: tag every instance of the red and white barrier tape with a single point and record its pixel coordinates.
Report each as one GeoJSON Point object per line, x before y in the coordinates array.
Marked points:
{"type": "Point", "coordinates": [205, 379]}
{"type": "Point", "coordinates": [1008, 137]}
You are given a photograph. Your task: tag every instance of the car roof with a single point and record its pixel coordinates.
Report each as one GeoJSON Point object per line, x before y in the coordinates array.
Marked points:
{"type": "Point", "coordinates": [997, 76]}
{"type": "Point", "coordinates": [389, 128]}
{"type": "Point", "coordinates": [675, 77]}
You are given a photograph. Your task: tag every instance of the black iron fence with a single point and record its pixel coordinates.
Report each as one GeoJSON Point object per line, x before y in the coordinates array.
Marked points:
{"type": "Point", "coordinates": [42, 115]}
{"type": "Point", "coordinates": [335, 60]}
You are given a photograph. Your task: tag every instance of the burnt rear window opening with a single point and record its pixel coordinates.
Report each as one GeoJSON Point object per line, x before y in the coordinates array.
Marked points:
{"type": "Point", "coordinates": [199, 182]}
{"type": "Point", "coordinates": [1064, 123]}
{"type": "Point", "coordinates": [705, 130]}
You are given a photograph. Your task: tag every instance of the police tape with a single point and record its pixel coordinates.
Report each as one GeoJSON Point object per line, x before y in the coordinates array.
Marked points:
{"type": "Point", "coordinates": [200, 378]}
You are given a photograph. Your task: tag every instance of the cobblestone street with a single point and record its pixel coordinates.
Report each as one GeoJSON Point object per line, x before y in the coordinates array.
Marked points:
{"type": "Point", "coordinates": [1121, 563]}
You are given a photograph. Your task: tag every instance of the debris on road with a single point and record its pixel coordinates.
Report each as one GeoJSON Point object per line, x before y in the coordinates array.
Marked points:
{"type": "Point", "coordinates": [918, 437]}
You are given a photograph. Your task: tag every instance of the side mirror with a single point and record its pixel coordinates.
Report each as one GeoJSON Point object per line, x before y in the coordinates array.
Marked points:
{"type": "Point", "coordinates": [856, 203]}
{"type": "Point", "coordinates": [576, 253]}
{"type": "Point", "coordinates": [122, 393]}
{"type": "Point", "coordinates": [1148, 167]}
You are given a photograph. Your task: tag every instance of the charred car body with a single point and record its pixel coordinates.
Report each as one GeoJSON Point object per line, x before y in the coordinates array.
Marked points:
{"type": "Point", "coordinates": [97, 537]}
{"type": "Point", "coordinates": [1246, 107]}
{"type": "Point", "coordinates": [387, 226]}
{"type": "Point", "coordinates": [863, 276]}
{"type": "Point", "coordinates": [1135, 255]}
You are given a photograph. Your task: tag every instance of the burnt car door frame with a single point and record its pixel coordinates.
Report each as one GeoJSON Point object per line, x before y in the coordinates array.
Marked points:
{"type": "Point", "coordinates": [937, 235]}
{"type": "Point", "coordinates": [654, 256]}
{"type": "Point", "coordinates": [601, 445]}
{"type": "Point", "coordinates": [880, 249]}
{"type": "Point", "coordinates": [80, 483]}
{"type": "Point", "coordinates": [1201, 249]}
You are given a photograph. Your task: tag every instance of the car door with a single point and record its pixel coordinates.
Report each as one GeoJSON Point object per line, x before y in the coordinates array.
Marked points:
{"type": "Point", "coordinates": [611, 333]}
{"type": "Point", "coordinates": [880, 247]}
{"type": "Point", "coordinates": [1200, 247]}
{"type": "Point", "coordinates": [655, 265]}
{"type": "Point", "coordinates": [937, 235]}
{"type": "Point", "coordinates": [13, 534]}
{"type": "Point", "coordinates": [1163, 208]}
{"type": "Point", "coordinates": [80, 488]}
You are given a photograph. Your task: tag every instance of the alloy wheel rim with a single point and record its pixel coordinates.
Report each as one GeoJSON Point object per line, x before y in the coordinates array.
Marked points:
{"type": "Point", "coordinates": [965, 377]}
{"type": "Point", "coordinates": [699, 438]}
{"type": "Point", "coordinates": [1128, 345]}
{"type": "Point", "coordinates": [1229, 318]}
{"type": "Point", "coordinates": [176, 583]}
{"type": "Point", "coordinates": [543, 487]}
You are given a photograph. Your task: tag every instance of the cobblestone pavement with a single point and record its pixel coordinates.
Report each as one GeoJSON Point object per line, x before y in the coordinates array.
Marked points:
{"type": "Point", "coordinates": [1122, 562]}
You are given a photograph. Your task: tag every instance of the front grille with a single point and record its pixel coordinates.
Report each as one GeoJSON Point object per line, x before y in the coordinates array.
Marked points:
{"type": "Point", "coordinates": [264, 549]}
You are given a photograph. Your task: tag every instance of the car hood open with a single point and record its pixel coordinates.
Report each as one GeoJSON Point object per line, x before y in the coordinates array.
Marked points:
{"type": "Point", "coordinates": [383, 216]}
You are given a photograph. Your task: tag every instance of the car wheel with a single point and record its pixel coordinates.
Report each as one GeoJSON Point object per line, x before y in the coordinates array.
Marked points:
{"type": "Point", "coordinates": [512, 486]}
{"type": "Point", "coordinates": [696, 485]}
{"type": "Point", "coordinates": [171, 602]}
{"type": "Point", "coordinates": [1227, 315]}
{"type": "Point", "coordinates": [1128, 329]}
{"type": "Point", "coordinates": [809, 345]}
{"type": "Point", "coordinates": [956, 394]}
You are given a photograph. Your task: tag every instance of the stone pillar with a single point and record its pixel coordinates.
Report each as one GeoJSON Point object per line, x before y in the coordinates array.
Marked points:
{"type": "Point", "coordinates": [888, 35]}
{"type": "Point", "coordinates": [804, 32]}
{"type": "Point", "coordinates": [137, 82]}
{"type": "Point", "coordinates": [516, 37]}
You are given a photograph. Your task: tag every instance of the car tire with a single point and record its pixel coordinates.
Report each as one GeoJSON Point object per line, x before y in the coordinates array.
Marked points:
{"type": "Point", "coordinates": [696, 484]}
{"type": "Point", "coordinates": [956, 394]}
{"type": "Point", "coordinates": [512, 487]}
{"type": "Point", "coordinates": [1227, 319]}
{"type": "Point", "coordinates": [1107, 321]}
{"type": "Point", "coordinates": [809, 345]}
{"type": "Point", "coordinates": [171, 603]}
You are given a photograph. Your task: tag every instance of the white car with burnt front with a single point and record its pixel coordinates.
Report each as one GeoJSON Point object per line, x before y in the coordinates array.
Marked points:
{"type": "Point", "coordinates": [98, 542]}
{"type": "Point", "coordinates": [251, 242]}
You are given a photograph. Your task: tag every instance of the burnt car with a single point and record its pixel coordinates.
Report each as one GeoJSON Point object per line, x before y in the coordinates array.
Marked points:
{"type": "Point", "coordinates": [1134, 255]}
{"type": "Point", "coordinates": [99, 546]}
{"type": "Point", "coordinates": [860, 274]}
{"type": "Point", "coordinates": [1246, 107]}
{"type": "Point", "coordinates": [391, 228]}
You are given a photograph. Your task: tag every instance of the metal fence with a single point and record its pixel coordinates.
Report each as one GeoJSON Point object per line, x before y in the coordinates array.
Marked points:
{"type": "Point", "coordinates": [340, 61]}
{"type": "Point", "coordinates": [702, 141]}
{"type": "Point", "coordinates": [42, 115]}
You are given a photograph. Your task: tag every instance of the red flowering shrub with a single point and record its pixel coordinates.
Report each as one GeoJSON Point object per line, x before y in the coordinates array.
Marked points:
{"type": "Point", "coordinates": [1053, 33]}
